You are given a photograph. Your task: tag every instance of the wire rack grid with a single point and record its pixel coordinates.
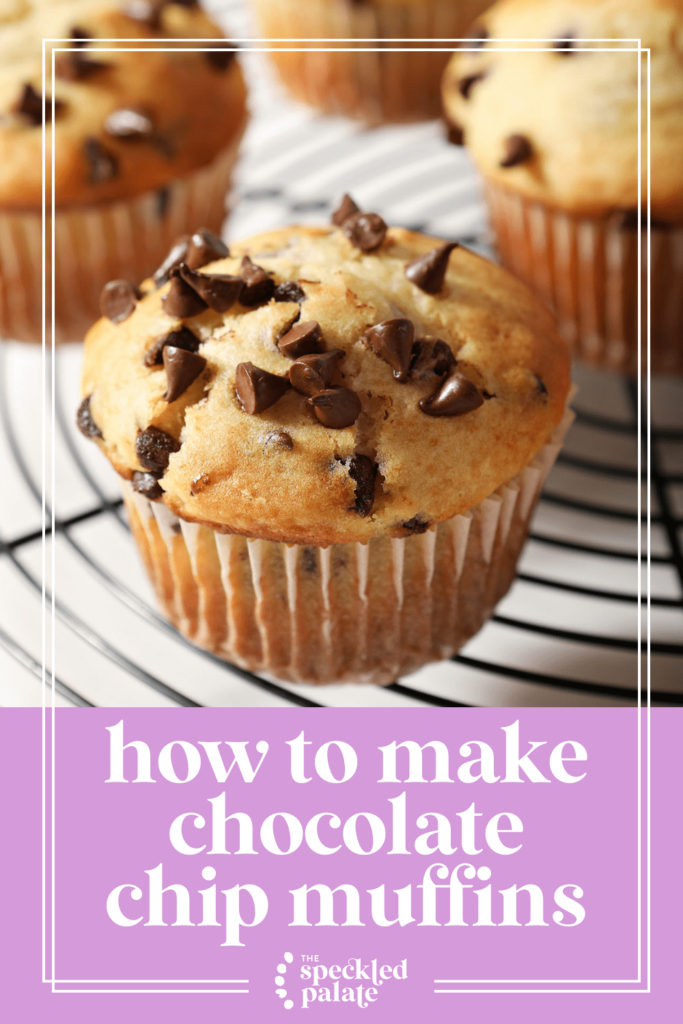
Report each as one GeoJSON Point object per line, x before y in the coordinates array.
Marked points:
{"type": "Point", "coordinates": [565, 634]}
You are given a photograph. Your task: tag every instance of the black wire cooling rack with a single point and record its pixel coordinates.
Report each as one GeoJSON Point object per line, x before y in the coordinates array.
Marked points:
{"type": "Point", "coordinates": [566, 633]}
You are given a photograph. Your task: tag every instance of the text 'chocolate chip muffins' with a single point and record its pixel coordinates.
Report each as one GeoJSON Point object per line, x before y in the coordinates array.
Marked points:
{"type": "Point", "coordinates": [358, 64]}
{"type": "Point", "coordinates": [556, 135]}
{"type": "Point", "coordinates": [330, 440]}
{"type": "Point", "coordinates": [143, 146]}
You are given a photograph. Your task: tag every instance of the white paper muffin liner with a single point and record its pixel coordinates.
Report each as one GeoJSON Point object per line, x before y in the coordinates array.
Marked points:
{"type": "Point", "coordinates": [587, 271]}
{"type": "Point", "coordinates": [365, 613]}
{"type": "Point", "coordinates": [127, 239]}
{"type": "Point", "coordinates": [374, 86]}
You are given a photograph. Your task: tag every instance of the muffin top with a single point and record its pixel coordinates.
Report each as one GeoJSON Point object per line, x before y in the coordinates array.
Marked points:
{"type": "Point", "coordinates": [125, 123]}
{"type": "Point", "coordinates": [561, 125]}
{"type": "Point", "coordinates": [361, 381]}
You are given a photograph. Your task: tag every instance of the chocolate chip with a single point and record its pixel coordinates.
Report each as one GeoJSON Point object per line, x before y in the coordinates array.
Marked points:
{"type": "Point", "coordinates": [346, 209]}
{"type": "Point", "coordinates": [336, 407]}
{"type": "Point", "coordinates": [362, 471]}
{"type": "Point", "coordinates": [289, 291]}
{"type": "Point", "coordinates": [415, 525]}
{"type": "Point", "coordinates": [279, 439]}
{"type": "Point", "coordinates": [431, 356]}
{"type": "Point", "coordinates": [102, 165]}
{"type": "Point", "coordinates": [392, 341]}
{"type": "Point", "coordinates": [181, 299]}
{"type": "Point", "coordinates": [154, 448]}
{"type": "Point", "coordinates": [129, 125]}
{"type": "Point", "coordinates": [428, 272]}
{"type": "Point", "coordinates": [77, 65]}
{"type": "Point", "coordinates": [220, 59]}
{"type": "Point", "coordinates": [454, 397]}
{"type": "Point", "coordinates": [477, 36]}
{"type": "Point", "coordinates": [302, 340]}
{"type": "Point", "coordinates": [454, 132]}
{"type": "Point", "coordinates": [79, 36]}
{"type": "Point", "coordinates": [30, 106]}
{"type": "Point", "coordinates": [258, 389]}
{"type": "Point", "coordinates": [466, 84]}
{"type": "Point", "coordinates": [313, 373]}
{"type": "Point", "coordinates": [365, 230]}
{"type": "Point", "coordinates": [118, 300]}
{"type": "Point", "coordinates": [175, 257]}
{"type": "Point", "coordinates": [219, 291]}
{"type": "Point", "coordinates": [147, 485]}
{"type": "Point", "coordinates": [541, 388]}
{"type": "Point", "coordinates": [84, 420]}
{"type": "Point", "coordinates": [146, 11]}
{"type": "Point", "coordinates": [181, 338]}
{"type": "Point", "coordinates": [518, 149]}
{"type": "Point", "coordinates": [565, 45]}
{"type": "Point", "coordinates": [182, 369]}
{"type": "Point", "coordinates": [205, 247]}
{"type": "Point", "coordinates": [258, 284]}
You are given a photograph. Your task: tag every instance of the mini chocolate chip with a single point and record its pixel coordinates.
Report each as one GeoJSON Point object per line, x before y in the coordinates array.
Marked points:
{"type": "Point", "coordinates": [129, 125]}
{"type": "Point", "coordinates": [302, 340]}
{"type": "Point", "coordinates": [313, 373]}
{"type": "Point", "coordinates": [219, 59]}
{"type": "Point", "coordinates": [84, 420]}
{"type": "Point", "coordinates": [392, 341]}
{"type": "Point", "coordinates": [258, 284]}
{"type": "Point", "coordinates": [147, 485]}
{"type": "Point", "coordinates": [175, 257]}
{"type": "Point", "coordinates": [518, 149]}
{"type": "Point", "coordinates": [118, 300]}
{"type": "Point", "coordinates": [365, 230]}
{"type": "Point", "coordinates": [428, 272]}
{"type": "Point", "coordinates": [336, 407]}
{"type": "Point", "coordinates": [565, 45]}
{"type": "Point", "coordinates": [454, 397]}
{"type": "Point", "coordinates": [346, 209]}
{"type": "Point", "coordinates": [289, 291]}
{"type": "Point", "coordinates": [182, 369]}
{"type": "Point", "coordinates": [154, 448]}
{"type": "Point", "coordinates": [199, 483]}
{"type": "Point", "coordinates": [477, 36]}
{"type": "Point", "coordinates": [258, 389]}
{"type": "Point", "coordinates": [362, 471]}
{"type": "Point", "coordinates": [466, 84]}
{"type": "Point", "coordinates": [540, 386]}
{"type": "Point", "coordinates": [454, 132]}
{"type": "Point", "coordinates": [79, 36]}
{"type": "Point", "coordinates": [102, 165]}
{"type": "Point", "coordinates": [181, 338]}
{"type": "Point", "coordinates": [279, 439]}
{"type": "Point", "coordinates": [415, 525]}
{"type": "Point", "coordinates": [146, 11]}
{"type": "Point", "coordinates": [431, 356]}
{"type": "Point", "coordinates": [219, 291]}
{"type": "Point", "coordinates": [30, 106]}
{"type": "Point", "coordinates": [182, 300]}
{"type": "Point", "coordinates": [205, 247]}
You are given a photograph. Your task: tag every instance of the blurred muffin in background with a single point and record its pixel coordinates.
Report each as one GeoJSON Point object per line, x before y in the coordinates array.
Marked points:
{"type": "Point", "coordinates": [144, 144]}
{"type": "Point", "coordinates": [556, 135]}
{"type": "Point", "coordinates": [373, 85]}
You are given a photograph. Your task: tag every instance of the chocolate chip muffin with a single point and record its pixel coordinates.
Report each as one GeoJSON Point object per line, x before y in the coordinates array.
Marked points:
{"type": "Point", "coordinates": [362, 78]}
{"type": "Point", "coordinates": [143, 146]}
{"type": "Point", "coordinates": [556, 135]}
{"type": "Point", "coordinates": [330, 441]}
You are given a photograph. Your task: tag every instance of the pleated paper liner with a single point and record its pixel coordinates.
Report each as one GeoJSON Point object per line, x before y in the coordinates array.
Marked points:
{"type": "Point", "coordinates": [587, 271]}
{"type": "Point", "coordinates": [372, 85]}
{"type": "Point", "coordinates": [365, 613]}
{"type": "Point", "coordinates": [127, 239]}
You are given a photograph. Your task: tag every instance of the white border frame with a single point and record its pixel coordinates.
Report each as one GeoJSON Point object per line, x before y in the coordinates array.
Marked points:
{"type": "Point", "coordinates": [451, 49]}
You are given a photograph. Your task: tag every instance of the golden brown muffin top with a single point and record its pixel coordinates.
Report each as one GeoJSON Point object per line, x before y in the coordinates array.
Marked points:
{"type": "Point", "coordinates": [125, 123]}
{"type": "Point", "coordinates": [476, 346]}
{"type": "Point", "coordinates": [561, 125]}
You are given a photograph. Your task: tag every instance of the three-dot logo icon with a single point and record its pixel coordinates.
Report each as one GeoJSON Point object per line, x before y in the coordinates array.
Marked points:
{"type": "Point", "coordinates": [280, 980]}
